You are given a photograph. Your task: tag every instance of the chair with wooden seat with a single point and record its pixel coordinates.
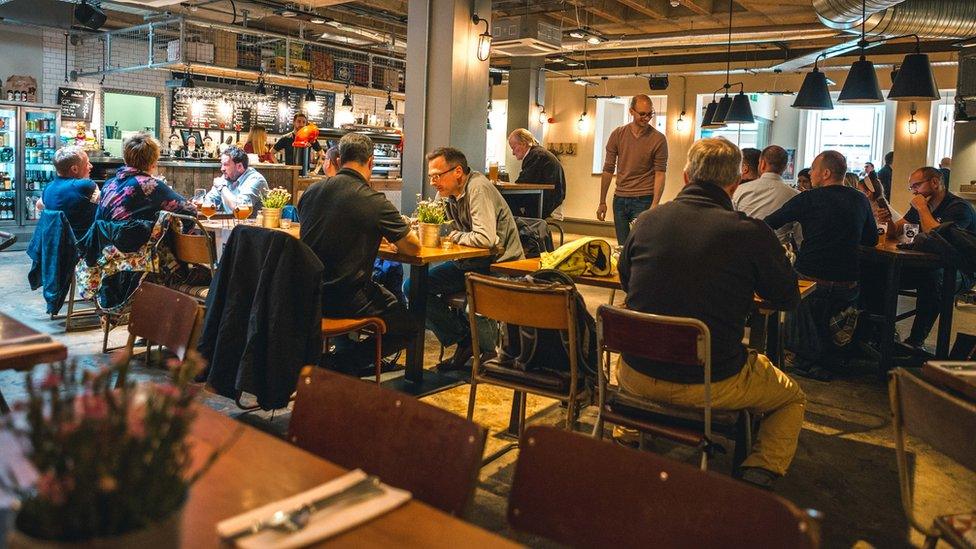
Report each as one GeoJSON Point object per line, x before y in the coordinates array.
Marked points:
{"type": "Point", "coordinates": [429, 451]}
{"type": "Point", "coordinates": [164, 316]}
{"type": "Point", "coordinates": [583, 492]}
{"type": "Point", "coordinates": [370, 325]}
{"type": "Point", "coordinates": [7, 240]}
{"type": "Point", "coordinates": [541, 306]}
{"type": "Point", "coordinates": [947, 423]}
{"type": "Point", "coordinates": [675, 340]}
{"type": "Point", "coordinates": [193, 249]}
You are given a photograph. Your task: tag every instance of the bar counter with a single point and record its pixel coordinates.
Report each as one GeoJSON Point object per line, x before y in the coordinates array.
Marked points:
{"type": "Point", "coordinates": [184, 175]}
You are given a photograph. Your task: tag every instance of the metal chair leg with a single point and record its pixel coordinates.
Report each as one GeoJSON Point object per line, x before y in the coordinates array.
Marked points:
{"type": "Point", "coordinates": [379, 355]}
{"type": "Point", "coordinates": [524, 397]}
{"type": "Point", "coordinates": [471, 397]}
{"type": "Point", "coordinates": [107, 325]}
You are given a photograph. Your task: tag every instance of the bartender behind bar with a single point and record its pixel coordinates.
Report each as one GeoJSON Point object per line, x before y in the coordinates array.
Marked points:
{"type": "Point", "coordinates": [285, 142]}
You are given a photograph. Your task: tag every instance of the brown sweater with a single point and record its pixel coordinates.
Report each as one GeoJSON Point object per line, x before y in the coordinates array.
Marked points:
{"type": "Point", "coordinates": [635, 159]}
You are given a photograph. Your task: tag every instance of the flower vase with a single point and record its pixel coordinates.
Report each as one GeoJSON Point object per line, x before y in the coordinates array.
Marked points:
{"type": "Point", "coordinates": [163, 534]}
{"type": "Point", "coordinates": [429, 234]}
{"type": "Point", "coordinates": [272, 217]}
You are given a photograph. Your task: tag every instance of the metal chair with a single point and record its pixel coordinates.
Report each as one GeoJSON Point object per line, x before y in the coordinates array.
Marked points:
{"type": "Point", "coordinates": [431, 452]}
{"type": "Point", "coordinates": [675, 340]}
{"type": "Point", "coordinates": [945, 422]}
{"type": "Point", "coordinates": [543, 306]}
{"type": "Point", "coordinates": [582, 492]}
{"type": "Point", "coordinates": [193, 249]}
{"type": "Point", "coordinates": [162, 315]}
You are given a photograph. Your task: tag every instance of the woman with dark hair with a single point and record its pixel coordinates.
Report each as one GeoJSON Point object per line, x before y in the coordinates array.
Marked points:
{"type": "Point", "coordinates": [872, 188]}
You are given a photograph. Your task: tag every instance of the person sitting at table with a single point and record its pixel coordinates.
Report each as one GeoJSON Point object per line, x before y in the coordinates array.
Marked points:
{"type": "Point", "coordinates": [135, 193]}
{"type": "Point", "coordinates": [932, 205]}
{"type": "Point", "coordinates": [768, 192]}
{"type": "Point", "coordinates": [870, 185]}
{"type": "Point", "coordinates": [697, 257]}
{"type": "Point", "coordinates": [328, 163]}
{"type": "Point", "coordinates": [343, 222]}
{"type": "Point", "coordinates": [835, 220]}
{"type": "Point", "coordinates": [538, 166]}
{"type": "Point", "coordinates": [257, 143]}
{"type": "Point", "coordinates": [750, 165]}
{"type": "Point", "coordinates": [803, 180]}
{"type": "Point", "coordinates": [237, 179]}
{"type": "Point", "coordinates": [72, 192]}
{"type": "Point", "coordinates": [479, 218]}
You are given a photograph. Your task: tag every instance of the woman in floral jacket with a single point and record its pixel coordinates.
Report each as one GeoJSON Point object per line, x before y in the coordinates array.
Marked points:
{"type": "Point", "coordinates": [134, 194]}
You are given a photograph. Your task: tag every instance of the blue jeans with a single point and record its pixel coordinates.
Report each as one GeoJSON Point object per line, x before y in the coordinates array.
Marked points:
{"type": "Point", "coordinates": [625, 211]}
{"type": "Point", "coordinates": [449, 325]}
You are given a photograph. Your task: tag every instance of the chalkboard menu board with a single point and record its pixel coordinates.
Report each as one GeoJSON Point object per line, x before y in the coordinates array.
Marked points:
{"type": "Point", "coordinates": [274, 112]}
{"type": "Point", "coordinates": [76, 104]}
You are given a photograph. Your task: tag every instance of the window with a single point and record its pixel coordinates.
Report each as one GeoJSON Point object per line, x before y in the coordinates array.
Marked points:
{"type": "Point", "coordinates": [855, 131]}
{"type": "Point", "coordinates": [498, 134]}
{"type": "Point", "coordinates": [755, 135]}
{"type": "Point", "coordinates": [942, 127]}
{"type": "Point", "coordinates": [611, 113]}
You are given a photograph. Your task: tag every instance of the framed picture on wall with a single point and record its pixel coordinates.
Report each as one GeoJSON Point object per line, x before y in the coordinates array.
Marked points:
{"type": "Point", "coordinates": [790, 173]}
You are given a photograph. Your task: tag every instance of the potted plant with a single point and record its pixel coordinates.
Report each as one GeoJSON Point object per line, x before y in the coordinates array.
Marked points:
{"type": "Point", "coordinates": [106, 467]}
{"type": "Point", "coordinates": [430, 215]}
{"type": "Point", "coordinates": [271, 204]}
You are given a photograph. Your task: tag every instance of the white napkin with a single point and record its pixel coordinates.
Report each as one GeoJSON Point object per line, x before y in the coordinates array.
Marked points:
{"type": "Point", "coordinates": [323, 524]}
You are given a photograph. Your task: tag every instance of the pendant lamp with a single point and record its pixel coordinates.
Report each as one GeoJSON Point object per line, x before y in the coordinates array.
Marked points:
{"type": "Point", "coordinates": [741, 110]}
{"type": "Point", "coordinates": [861, 85]}
{"type": "Point", "coordinates": [724, 113]}
{"type": "Point", "coordinates": [915, 81]}
{"type": "Point", "coordinates": [813, 94]}
{"type": "Point", "coordinates": [708, 120]}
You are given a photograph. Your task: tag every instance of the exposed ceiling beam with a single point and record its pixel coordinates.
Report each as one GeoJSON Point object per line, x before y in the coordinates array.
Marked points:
{"type": "Point", "coordinates": [655, 9]}
{"type": "Point", "coordinates": [701, 7]}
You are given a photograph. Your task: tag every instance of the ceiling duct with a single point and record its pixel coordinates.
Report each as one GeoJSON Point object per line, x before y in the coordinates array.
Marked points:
{"type": "Point", "coordinates": [926, 18]}
{"type": "Point", "coordinates": [45, 13]}
{"type": "Point", "coordinates": [524, 36]}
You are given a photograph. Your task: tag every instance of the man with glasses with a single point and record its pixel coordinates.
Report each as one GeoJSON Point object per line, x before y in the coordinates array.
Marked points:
{"type": "Point", "coordinates": [479, 218]}
{"type": "Point", "coordinates": [932, 205]}
{"type": "Point", "coordinates": [638, 154]}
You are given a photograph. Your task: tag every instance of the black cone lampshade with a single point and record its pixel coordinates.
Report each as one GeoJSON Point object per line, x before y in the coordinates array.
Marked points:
{"type": "Point", "coordinates": [813, 94]}
{"type": "Point", "coordinates": [915, 81]}
{"type": "Point", "coordinates": [741, 111]}
{"type": "Point", "coordinates": [722, 111]}
{"type": "Point", "coordinates": [708, 121]}
{"type": "Point", "coordinates": [861, 85]}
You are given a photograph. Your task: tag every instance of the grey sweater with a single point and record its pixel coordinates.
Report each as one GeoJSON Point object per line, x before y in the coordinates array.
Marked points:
{"type": "Point", "coordinates": [481, 218]}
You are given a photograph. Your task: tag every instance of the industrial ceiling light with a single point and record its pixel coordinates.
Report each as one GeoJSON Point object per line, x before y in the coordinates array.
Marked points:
{"type": "Point", "coordinates": [317, 21]}
{"type": "Point", "coordinates": [741, 110]}
{"type": "Point", "coordinates": [813, 94]}
{"type": "Point", "coordinates": [724, 104]}
{"type": "Point", "coordinates": [582, 82]}
{"type": "Point", "coordinates": [708, 119]}
{"type": "Point", "coordinates": [724, 114]}
{"type": "Point", "coordinates": [915, 81]}
{"type": "Point", "coordinates": [90, 15]}
{"type": "Point", "coordinates": [347, 97]}
{"type": "Point", "coordinates": [912, 123]}
{"type": "Point", "coordinates": [579, 33]}
{"type": "Point", "coordinates": [861, 85]}
{"type": "Point", "coordinates": [390, 107]}
{"type": "Point", "coordinates": [484, 39]}
{"type": "Point", "coordinates": [187, 78]}
{"type": "Point", "coordinates": [261, 89]}
{"type": "Point", "coordinates": [309, 91]}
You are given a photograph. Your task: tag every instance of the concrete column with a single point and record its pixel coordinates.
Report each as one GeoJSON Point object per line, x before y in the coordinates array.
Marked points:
{"type": "Point", "coordinates": [963, 156]}
{"type": "Point", "coordinates": [911, 151]}
{"type": "Point", "coordinates": [446, 88]}
{"type": "Point", "coordinates": [526, 92]}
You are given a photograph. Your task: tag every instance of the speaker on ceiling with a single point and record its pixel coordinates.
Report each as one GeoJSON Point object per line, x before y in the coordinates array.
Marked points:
{"type": "Point", "coordinates": [658, 82]}
{"type": "Point", "coordinates": [90, 15]}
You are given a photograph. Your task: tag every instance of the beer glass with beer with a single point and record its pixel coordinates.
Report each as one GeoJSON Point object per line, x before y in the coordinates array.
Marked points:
{"type": "Point", "coordinates": [243, 208]}
{"type": "Point", "coordinates": [493, 171]}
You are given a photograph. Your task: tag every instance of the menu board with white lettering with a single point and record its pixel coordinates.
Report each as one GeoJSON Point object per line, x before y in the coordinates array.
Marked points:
{"type": "Point", "coordinates": [76, 104]}
{"type": "Point", "coordinates": [209, 110]}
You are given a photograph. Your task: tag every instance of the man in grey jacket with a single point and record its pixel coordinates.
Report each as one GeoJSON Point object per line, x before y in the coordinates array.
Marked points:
{"type": "Point", "coordinates": [479, 218]}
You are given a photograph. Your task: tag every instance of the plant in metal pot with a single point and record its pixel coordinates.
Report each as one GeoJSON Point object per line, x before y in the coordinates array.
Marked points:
{"type": "Point", "coordinates": [431, 214]}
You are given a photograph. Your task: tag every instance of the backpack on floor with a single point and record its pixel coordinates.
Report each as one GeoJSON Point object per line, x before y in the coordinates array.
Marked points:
{"type": "Point", "coordinates": [532, 349]}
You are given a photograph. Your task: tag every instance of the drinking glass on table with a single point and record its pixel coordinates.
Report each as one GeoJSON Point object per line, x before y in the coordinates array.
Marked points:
{"type": "Point", "coordinates": [911, 231]}
{"type": "Point", "coordinates": [493, 172]}
{"type": "Point", "coordinates": [198, 195]}
{"type": "Point", "coordinates": [243, 208]}
{"type": "Point", "coordinates": [207, 206]}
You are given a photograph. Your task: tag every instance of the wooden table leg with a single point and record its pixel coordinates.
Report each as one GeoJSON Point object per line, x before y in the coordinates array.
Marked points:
{"type": "Point", "coordinates": [540, 203]}
{"type": "Point", "coordinates": [945, 314]}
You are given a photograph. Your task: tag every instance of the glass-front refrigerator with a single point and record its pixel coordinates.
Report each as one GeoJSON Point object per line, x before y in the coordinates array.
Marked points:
{"type": "Point", "coordinates": [29, 136]}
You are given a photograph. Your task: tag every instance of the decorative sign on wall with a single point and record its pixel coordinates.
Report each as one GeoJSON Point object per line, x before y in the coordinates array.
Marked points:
{"type": "Point", "coordinates": [76, 104]}
{"type": "Point", "coordinates": [20, 88]}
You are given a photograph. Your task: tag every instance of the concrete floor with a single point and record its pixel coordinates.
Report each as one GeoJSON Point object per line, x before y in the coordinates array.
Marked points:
{"type": "Point", "coordinates": [844, 467]}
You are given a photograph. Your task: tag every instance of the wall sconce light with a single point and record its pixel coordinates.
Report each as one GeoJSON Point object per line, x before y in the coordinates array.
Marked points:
{"type": "Point", "coordinates": [484, 39]}
{"type": "Point", "coordinates": [583, 122]}
{"type": "Point", "coordinates": [680, 124]}
{"type": "Point", "coordinates": [912, 123]}
{"type": "Point", "coordinates": [543, 117]}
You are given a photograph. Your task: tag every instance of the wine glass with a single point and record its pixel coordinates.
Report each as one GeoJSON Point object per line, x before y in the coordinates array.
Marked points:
{"type": "Point", "coordinates": [198, 195]}
{"type": "Point", "coordinates": [243, 208]}
{"type": "Point", "coordinates": [207, 206]}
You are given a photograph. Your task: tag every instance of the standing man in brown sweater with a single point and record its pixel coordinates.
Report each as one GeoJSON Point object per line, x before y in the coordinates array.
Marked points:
{"type": "Point", "coordinates": [638, 154]}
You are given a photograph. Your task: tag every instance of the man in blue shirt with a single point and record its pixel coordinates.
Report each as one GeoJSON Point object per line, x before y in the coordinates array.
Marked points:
{"type": "Point", "coordinates": [238, 180]}
{"type": "Point", "coordinates": [72, 192]}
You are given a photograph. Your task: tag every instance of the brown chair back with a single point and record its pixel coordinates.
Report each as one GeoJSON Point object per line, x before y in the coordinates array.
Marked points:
{"type": "Point", "coordinates": [655, 337]}
{"type": "Point", "coordinates": [164, 316]}
{"type": "Point", "coordinates": [548, 306]}
{"type": "Point", "coordinates": [942, 420]}
{"type": "Point", "coordinates": [193, 248]}
{"type": "Point", "coordinates": [583, 492]}
{"type": "Point", "coordinates": [431, 452]}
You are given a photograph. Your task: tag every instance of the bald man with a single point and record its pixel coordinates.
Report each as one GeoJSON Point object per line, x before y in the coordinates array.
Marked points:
{"type": "Point", "coordinates": [538, 166]}
{"type": "Point", "coordinates": [638, 154]}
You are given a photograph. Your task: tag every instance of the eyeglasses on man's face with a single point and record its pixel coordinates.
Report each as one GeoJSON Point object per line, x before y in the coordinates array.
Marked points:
{"type": "Point", "coordinates": [436, 176]}
{"type": "Point", "coordinates": [916, 184]}
{"type": "Point", "coordinates": [640, 114]}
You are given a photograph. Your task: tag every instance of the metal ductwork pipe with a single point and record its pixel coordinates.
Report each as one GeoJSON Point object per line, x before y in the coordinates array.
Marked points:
{"type": "Point", "coordinates": [926, 18]}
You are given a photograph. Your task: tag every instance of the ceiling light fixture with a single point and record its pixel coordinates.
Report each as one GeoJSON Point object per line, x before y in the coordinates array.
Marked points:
{"type": "Point", "coordinates": [390, 107]}
{"type": "Point", "coordinates": [579, 33]}
{"type": "Point", "coordinates": [309, 90]}
{"type": "Point", "coordinates": [861, 85]}
{"type": "Point", "coordinates": [582, 82]}
{"type": "Point", "coordinates": [347, 97]}
{"type": "Point", "coordinates": [261, 89]}
{"type": "Point", "coordinates": [915, 81]}
{"type": "Point", "coordinates": [484, 39]}
{"type": "Point", "coordinates": [708, 119]}
{"type": "Point", "coordinates": [187, 77]}
{"type": "Point", "coordinates": [813, 94]}
{"type": "Point", "coordinates": [317, 21]}
{"type": "Point", "coordinates": [731, 110]}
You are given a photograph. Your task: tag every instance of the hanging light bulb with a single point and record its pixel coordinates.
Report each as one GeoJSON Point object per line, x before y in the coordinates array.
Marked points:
{"type": "Point", "coordinates": [861, 85]}
{"type": "Point", "coordinates": [813, 94]}
{"type": "Point", "coordinates": [261, 89]}
{"type": "Point", "coordinates": [680, 124]}
{"type": "Point", "coordinates": [912, 123]}
{"type": "Point", "coordinates": [914, 81]}
{"type": "Point", "coordinates": [390, 107]}
{"type": "Point", "coordinates": [187, 78]}
{"type": "Point", "coordinates": [347, 98]}
{"type": "Point", "coordinates": [484, 39]}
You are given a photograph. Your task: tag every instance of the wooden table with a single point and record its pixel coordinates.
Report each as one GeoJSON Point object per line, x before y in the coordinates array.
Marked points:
{"type": "Point", "coordinates": [222, 228]}
{"type": "Point", "coordinates": [959, 376]}
{"type": "Point", "coordinates": [21, 347]}
{"type": "Point", "coordinates": [415, 380]}
{"type": "Point", "coordinates": [887, 253]}
{"type": "Point", "coordinates": [526, 188]}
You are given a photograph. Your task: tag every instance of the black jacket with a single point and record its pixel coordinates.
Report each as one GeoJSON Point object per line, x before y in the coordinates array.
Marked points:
{"type": "Point", "coordinates": [263, 318]}
{"type": "Point", "coordinates": [54, 254]}
{"type": "Point", "coordinates": [541, 166]}
{"type": "Point", "coordinates": [696, 257]}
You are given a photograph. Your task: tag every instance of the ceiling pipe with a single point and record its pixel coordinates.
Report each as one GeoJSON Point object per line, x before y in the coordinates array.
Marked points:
{"type": "Point", "coordinates": [926, 18]}
{"type": "Point", "coordinates": [744, 35]}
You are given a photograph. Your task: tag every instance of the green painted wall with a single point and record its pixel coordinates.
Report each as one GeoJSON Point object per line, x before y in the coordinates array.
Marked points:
{"type": "Point", "coordinates": [132, 112]}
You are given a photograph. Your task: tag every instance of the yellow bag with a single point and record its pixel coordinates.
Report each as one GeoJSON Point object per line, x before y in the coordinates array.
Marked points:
{"type": "Point", "coordinates": [584, 256]}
